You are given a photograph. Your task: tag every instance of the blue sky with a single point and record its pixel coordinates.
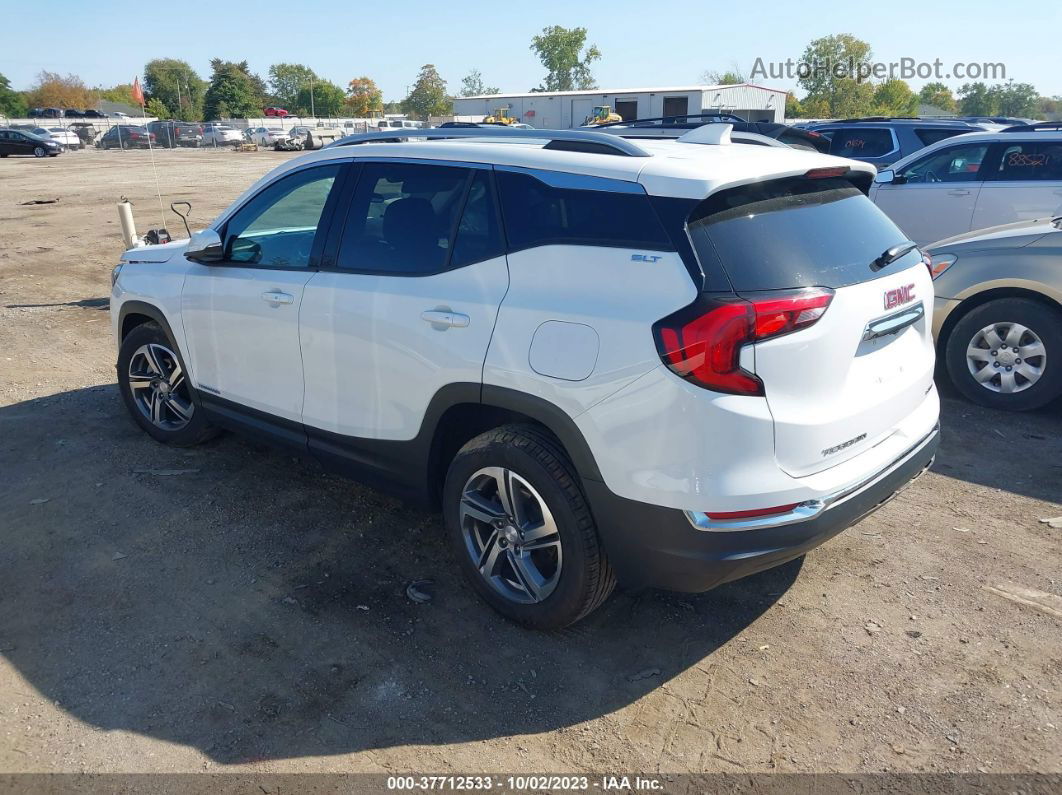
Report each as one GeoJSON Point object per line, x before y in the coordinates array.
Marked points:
{"type": "Point", "coordinates": [643, 43]}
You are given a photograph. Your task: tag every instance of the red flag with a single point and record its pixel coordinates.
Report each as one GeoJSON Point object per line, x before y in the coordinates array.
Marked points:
{"type": "Point", "coordinates": [138, 93]}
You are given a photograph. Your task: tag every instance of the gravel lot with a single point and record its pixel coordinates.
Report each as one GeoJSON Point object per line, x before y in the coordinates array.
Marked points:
{"type": "Point", "coordinates": [231, 608]}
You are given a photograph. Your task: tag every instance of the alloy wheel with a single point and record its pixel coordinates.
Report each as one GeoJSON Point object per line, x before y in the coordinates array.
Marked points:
{"type": "Point", "coordinates": [159, 387]}
{"type": "Point", "coordinates": [510, 535]}
{"type": "Point", "coordinates": [39, 151]}
{"type": "Point", "coordinates": [1006, 357]}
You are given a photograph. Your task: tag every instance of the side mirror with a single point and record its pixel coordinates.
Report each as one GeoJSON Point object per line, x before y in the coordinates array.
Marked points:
{"type": "Point", "coordinates": [885, 177]}
{"type": "Point", "coordinates": [205, 247]}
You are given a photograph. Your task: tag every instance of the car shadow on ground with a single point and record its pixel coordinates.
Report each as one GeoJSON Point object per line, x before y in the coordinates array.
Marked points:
{"type": "Point", "coordinates": [238, 601]}
{"type": "Point", "coordinates": [84, 303]}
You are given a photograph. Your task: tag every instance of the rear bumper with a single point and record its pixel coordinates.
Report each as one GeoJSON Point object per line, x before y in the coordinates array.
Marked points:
{"type": "Point", "coordinates": [650, 546]}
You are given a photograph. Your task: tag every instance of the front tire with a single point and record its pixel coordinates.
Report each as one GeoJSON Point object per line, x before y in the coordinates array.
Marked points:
{"type": "Point", "coordinates": [1007, 354]}
{"type": "Point", "coordinates": [152, 379]}
{"type": "Point", "coordinates": [40, 151]}
{"type": "Point", "coordinates": [522, 531]}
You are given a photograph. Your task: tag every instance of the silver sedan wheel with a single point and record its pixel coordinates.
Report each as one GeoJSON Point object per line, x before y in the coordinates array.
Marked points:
{"type": "Point", "coordinates": [1006, 357]}
{"type": "Point", "coordinates": [510, 535]}
{"type": "Point", "coordinates": [159, 387]}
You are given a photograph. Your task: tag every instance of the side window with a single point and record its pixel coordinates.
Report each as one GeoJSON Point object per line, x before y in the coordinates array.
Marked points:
{"type": "Point", "coordinates": [402, 218]}
{"type": "Point", "coordinates": [932, 135]}
{"type": "Point", "coordinates": [861, 142]}
{"type": "Point", "coordinates": [276, 228]}
{"type": "Point", "coordinates": [537, 214]}
{"type": "Point", "coordinates": [952, 164]}
{"type": "Point", "coordinates": [479, 233]}
{"type": "Point", "coordinates": [1029, 161]}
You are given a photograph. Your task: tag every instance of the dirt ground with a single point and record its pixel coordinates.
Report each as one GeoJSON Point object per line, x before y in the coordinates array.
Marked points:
{"type": "Point", "coordinates": [232, 608]}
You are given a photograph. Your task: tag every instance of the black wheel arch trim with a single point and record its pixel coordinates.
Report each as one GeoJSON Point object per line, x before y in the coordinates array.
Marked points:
{"type": "Point", "coordinates": [133, 307]}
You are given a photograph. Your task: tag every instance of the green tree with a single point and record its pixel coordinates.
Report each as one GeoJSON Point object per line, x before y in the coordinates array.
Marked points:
{"type": "Point", "coordinates": [837, 70]}
{"type": "Point", "coordinates": [472, 85]}
{"type": "Point", "coordinates": [895, 98]}
{"type": "Point", "coordinates": [287, 80]}
{"type": "Point", "coordinates": [363, 97]}
{"type": "Point", "coordinates": [1049, 107]}
{"type": "Point", "coordinates": [977, 99]}
{"type": "Point", "coordinates": [123, 93]}
{"type": "Point", "coordinates": [12, 103]}
{"type": "Point", "coordinates": [428, 97]}
{"type": "Point", "coordinates": [793, 108]}
{"type": "Point", "coordinates": [731, 77]}
{"type": "Point", "coordinates": [938, 95]}
{"type": "Point", "coordinates": [328, 99]}
{"type": "Point", "coordinates": [561, 51]}
{"type": "Point", "coordinates": [176, 85]}
{"type": "Point", "coordinates": [157, 108]}
{"type": "Point", "coordinates": [1015, 99]}
{"type": "Point", "coordinates": [232, 92]}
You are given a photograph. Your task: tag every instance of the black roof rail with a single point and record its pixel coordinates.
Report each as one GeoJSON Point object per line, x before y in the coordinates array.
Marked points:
{"type": "Point", "coordinates": [606, 144]}
{"type": "Point", "coordinates": [1041, 126]}
{"type": "Point", "coordinates": [950, 119]}
{"type": "Point", "coordinates": [664, 121]}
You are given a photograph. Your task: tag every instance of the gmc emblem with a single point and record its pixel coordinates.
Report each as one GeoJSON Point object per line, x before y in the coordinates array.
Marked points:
{"type": "Point", "coordinates": [899, 296]}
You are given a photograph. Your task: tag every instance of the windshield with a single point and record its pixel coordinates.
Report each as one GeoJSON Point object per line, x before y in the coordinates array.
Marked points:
{"type": "Point", "coordinates": [795, 233]}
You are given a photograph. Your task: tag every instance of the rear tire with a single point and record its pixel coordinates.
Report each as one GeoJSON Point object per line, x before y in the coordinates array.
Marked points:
{"type": "Point", "coordinates": [522, 531]}
{"type": "Point", "coordinates": [152, 379]}
{"type": "Point", "coordinates": [1007, 354]}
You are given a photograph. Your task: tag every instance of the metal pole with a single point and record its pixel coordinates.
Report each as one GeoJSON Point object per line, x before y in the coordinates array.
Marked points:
{"type": "Point", "coordinates": [313, 111]}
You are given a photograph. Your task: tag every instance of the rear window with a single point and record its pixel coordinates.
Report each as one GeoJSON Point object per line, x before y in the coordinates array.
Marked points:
{"type": "Point", "coordinates": [794, 233]}
{"type": "Point", "coordinates": [860, 141]}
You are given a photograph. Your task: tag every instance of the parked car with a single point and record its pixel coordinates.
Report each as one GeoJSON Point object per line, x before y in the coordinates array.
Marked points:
{"type": "Point", "coordinates": [280, 113]}
{"type": "Point", "coordinates": [755, 132]}
{"type": "Point", "coordinates": [171, 134]}
{"type": "Point", "coordinates": [267, 136]}
{"type": "Point", "coordinates": [883, 141]}
{"type": "Point", "coordinates": [23, 142]}
{"type": "Point", "coordinates": [95, 114]}
{"type": "Point", "coordinates": [45, 113]}
{"type": "Point", "coordinates": [61, 135]}
{"type": "Point", "coordinates": [85, 131]}
{"type": "Point", "coordinates": [74, 113]}
{"type": "Point", "coordinates": [215, 134]}
{"type": "Point", "coordinates": [303, 137]}
{"type": "Point", "coordinates": [652, 363]}
{"type": "Point", "coordinates": [126, 136]}
{"type": "Point", "coordinates": [975, 181]}
{"type": "Point", "coordinates": [998, 313]}
{"type": "Point", "coordinates": [118, 115]}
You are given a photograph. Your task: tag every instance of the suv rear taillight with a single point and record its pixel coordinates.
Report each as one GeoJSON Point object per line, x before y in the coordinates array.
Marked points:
{"type": "Point", "coordinates": [702, 343]}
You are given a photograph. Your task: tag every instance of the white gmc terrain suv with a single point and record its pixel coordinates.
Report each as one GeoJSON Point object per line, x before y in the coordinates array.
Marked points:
{"type": "Point", "coordinates": [665, 363]}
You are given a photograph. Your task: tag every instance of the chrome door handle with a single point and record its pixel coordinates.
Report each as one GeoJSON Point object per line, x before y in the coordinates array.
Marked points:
{"type": "Point", "coordinates": [894, 323]}
{"type": "Point", "coordinates": [958, 193]}
{"type": "Point", "coordinates": [446, 319]}
{"type": "Point", "coordinates": [276, 297]}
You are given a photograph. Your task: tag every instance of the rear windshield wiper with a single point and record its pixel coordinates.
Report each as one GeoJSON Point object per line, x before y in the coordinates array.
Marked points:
{"type": "Point", "coordinates": [890, 255]}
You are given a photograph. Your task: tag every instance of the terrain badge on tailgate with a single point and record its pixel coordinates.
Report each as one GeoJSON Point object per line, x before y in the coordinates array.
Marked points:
{"type": "Point", "coordinates": [843, 445]}
{"type": "Point", "coordinates": [899, 296]}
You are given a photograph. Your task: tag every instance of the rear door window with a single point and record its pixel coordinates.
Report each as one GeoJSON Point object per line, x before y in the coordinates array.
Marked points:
{"type": "Point", "coordinates": [403, 218]}
{"type": "Point", "coordinates": [794, 233]}
{"type": "Point", "coordinates": [538, 214]}
{"type": "Point", "coordinates": [1028, 161]}
{"type": "Point", "coordinates": [931, 135]}
{"type": "Point", "coordinates": [860, 142]}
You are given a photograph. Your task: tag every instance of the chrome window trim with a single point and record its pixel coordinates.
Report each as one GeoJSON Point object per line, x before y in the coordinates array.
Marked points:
{"type": "Point", "coordinates": [811, 508]}
{"type": "Point", "coordinates": [566, 180]}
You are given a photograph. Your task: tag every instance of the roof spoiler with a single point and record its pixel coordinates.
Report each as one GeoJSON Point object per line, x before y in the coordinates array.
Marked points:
{"type": "Point", "coordinates": [712, 134]}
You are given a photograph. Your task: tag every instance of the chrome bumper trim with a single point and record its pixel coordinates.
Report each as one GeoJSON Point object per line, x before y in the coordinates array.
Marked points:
{"type": "Point", "coordinates": [810, 508]}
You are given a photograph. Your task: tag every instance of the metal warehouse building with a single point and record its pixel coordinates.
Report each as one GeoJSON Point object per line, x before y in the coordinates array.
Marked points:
{"type": "Point", "coordinates": [561, 110]}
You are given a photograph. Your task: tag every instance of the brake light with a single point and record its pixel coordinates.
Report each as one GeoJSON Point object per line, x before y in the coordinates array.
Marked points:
{"type": "Point", "coordinates": [826, 173]}
{"type": "Point", "coordinates": [702, 343]}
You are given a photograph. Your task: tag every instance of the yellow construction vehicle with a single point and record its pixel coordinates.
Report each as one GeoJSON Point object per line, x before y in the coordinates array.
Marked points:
{"type": "Point", "coordinates": [500, 116]}
{"type": "Point", "coordinates": [603, 114]}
